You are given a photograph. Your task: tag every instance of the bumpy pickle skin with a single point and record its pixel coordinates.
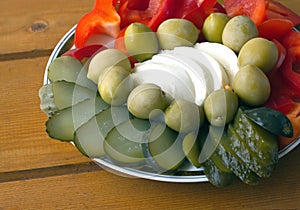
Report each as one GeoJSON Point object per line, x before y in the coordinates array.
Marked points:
{"type": "Point", "coordinates": [261, 168]}
{"type": "Point", "coordinates": [260, 141]}
{"type": "Point", "coordinates": [231, 160]}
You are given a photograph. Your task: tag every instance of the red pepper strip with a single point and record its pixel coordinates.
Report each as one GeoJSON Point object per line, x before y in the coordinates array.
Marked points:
{"type": "Point", "coordinates": [219, 8]}
{"type": "Point", "coordinates": [291, 69]}
{"type": "Point", "coordinates": [102, 19]}
{"type": "Point", "coordinates": [84, 52]}
{"type": "Point", "coordinates": [281, 100]}
{"type": "Point", "coordinates": [198, 12]}
{"type": "Point", "coordinates": [275, 28]}
{"type": "Point", "coordinates": [255, 9]}
{"type": "Point", "coordinates": [275, 9]}
{"type": "Point", "coordinates": [129, 16]}
{"type": "Point", "coordinates": [281, 55]}
{"type": "Point", "coordinates": [291, 39]}
{"type": "Point", "coordinates": [167, 10]}
{"type": "Point", "coordinates": [138, 4]}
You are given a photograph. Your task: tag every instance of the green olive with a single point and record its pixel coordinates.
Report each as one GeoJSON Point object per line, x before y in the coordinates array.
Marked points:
{"type": "Point", "coordinates": [238, 31]}
{"type": "Point", "coordinates": [106, 58]}
{"type": "Point", "coordinates": [220, 107]}
{"type": "Point", "coordinates": [115, 85]}
{"type": "Point", "coordinates": [252, 85]}
{"type": "Point", "coordinates": [259, 52]}
{"type": "Point", "coordinates": [176, 32]}
{"type": "Point", "coordinates": [140, 41]}
{"type": "Point", "coordinates": [145, 98]}
{"type": "Point", "coordinates": [213, 26]}
{"type": "Point", "coordinates": [184, 116]}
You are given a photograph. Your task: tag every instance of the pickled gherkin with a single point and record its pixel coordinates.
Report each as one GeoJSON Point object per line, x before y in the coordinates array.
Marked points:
{"type": "Point", "coordinates": [251, 160]}
{"type": "Point", "coordinates": [234, 163]}
{"type": "Point", "coordinates": [216, 176]}
{"type": "Point", "coordinates": [260, 141]}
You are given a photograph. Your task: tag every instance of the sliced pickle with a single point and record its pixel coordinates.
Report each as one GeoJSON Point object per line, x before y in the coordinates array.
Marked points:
{"type": "Point", "coordinates": [90, 136]}
{"type": "Point", "coordinates": [124, 143]}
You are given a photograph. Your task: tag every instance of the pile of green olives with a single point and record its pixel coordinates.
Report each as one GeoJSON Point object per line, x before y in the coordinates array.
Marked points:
{"type": "Point", "coordinates": [256, 55]}
{"type": "Point", "coordinates": [142, 43]}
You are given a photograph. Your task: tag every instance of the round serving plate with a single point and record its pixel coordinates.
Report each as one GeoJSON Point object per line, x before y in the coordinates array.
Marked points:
{"type": "Point", "coordinates": [186, 174]}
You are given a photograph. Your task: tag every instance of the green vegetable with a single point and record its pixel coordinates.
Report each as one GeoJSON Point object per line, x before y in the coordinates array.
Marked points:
{"type": "Point", "coordinates": [271, 120]}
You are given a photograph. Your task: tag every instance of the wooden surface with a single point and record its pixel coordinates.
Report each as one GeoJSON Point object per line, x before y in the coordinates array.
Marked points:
{"type": "Point", "coordinates": [37, 172]}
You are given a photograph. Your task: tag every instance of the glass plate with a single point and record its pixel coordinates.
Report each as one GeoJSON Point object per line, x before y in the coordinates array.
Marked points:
{"type": "Point", "coordinates": [186, 174]}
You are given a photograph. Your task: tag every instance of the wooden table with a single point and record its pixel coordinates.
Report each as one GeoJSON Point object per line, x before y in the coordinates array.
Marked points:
{"type": "Point", "coordinates": [37, 172]}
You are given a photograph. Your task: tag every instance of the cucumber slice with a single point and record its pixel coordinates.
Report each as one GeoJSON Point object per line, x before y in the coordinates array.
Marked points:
{"type": "Point", "coordinates": [235, 164]}
{"type": "Point", "coordinates": [191, 149]}
{"type": "Point", "coordinates": [63, 123]}
{"type": "Point", "coordinates": [124, 144]}
{"type": "Point", "coordinates": [192, 145]}
{"type": "Point", "coordinates": [90, 136]}
{"type": "Point", "coordinates": [260, 141]}
{"type": "Point", "coordinates": [216, 176]}
{"type": "Point", "coordinates": [271, 120]}
{"type": "Point", "coordinates": [69, 69]}
{"type": "Point", "coordinates": [62, 94]}
{"type": "Point", "coordinates": [259, 166]}
{"type": "Point", "coordinates": [165, 147]}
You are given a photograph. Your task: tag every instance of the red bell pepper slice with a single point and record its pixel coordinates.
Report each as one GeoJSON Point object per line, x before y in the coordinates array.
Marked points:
{"type": "Point", "coordinates": [138, 4]}
{"type": "Point", "coordinates": [255, 9]}
{"type": "Point", "coordinates": [291, 39]}
{"type": "Point", "coordinates": [129, 15]}
{"type": "Point", "coordinates": [281, 54]}
{"type": "Point", "coordinates": [84, 52]}
{"type": "Point", "coordinates": [291, 69]}
{"type": "Point", "coordinates": [197, 11]}
{"type": "Point", "coordinates": [275, 9]}
{"type": "Point", "coordinates": [275, 28]}
{"type": "Point", "coordinates": [102, 19]}
{"type": "Point", "coordinates": [167, 10]}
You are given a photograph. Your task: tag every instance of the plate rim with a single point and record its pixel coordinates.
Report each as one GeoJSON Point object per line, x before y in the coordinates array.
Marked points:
{"type": "Point", "coordinates": [130, 172]}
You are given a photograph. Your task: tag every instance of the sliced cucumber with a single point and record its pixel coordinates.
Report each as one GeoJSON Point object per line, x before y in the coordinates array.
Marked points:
{"type": "Point", "coordinates": [235, 164]}
{"type": "Point", "coordinates": [271, 120]}
{"type": "Point", "coordinates": [90, 136]}
{"type": "Point", "coordinates": [215, 175]}
{"type": "Point", "coordinates": [192, 145]}
{"type": "Point", "coordinates": [250, 159]}
{"type": "Point", "coordinates": [165, 147]}
{"type": "Point", "coordinates": [191, 149]}
{"type": "Point", "coordinates": [69, 69]}
{"type": "Point", "coordinates": [63, 123]}
{"type": "Point", "coordinates": [260, 141]}
{"type": "Point", "coordinates": [124, 143]}
{"type": "Point", "coordinates": [62, 94]}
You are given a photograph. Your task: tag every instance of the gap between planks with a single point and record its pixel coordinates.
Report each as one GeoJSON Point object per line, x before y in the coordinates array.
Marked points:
{"type": "Point", "coordinates": [49, 172]}
{"type": "Point", "coordinates": [25, 55]}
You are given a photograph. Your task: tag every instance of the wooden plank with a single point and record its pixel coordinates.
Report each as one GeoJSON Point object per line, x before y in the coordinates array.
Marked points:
{"type": "Point", "coordinates": [37, 25]}
{"type": "Point", "coordinates": [23, 141]}
{"type": "Point", "coordinates": [103, 190]}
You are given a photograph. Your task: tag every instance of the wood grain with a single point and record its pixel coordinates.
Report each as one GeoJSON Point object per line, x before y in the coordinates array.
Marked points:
{"type": "Point", "coordinates": [23, 141]}
{"type": "Point", "coordinates": [103, 190]}
{"type": "Point", "coordinates": [37, 172]}
{"type": "Point", "coordinates": [30, 26]}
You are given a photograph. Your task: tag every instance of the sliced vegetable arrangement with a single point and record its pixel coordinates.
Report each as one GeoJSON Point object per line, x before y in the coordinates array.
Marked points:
{"type": "Point", "coordinates": [171, 83]}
